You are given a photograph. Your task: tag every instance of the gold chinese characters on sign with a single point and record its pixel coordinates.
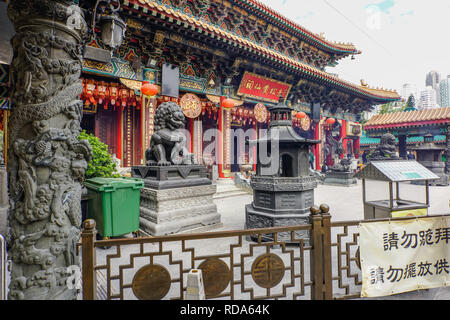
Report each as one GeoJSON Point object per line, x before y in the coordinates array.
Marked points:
{"type": "Point", "coordinates": [260, 112]}
{"type": "Point", "coordinates": [268, 270]}
{"type": "Point", "coordinates": [191, 105]}
{"type": "Point", "coordinates": [256, 86]}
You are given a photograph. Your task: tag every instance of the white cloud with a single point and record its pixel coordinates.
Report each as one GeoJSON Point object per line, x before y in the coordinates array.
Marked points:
{"type": "Point", "coordinates": [401, 43]}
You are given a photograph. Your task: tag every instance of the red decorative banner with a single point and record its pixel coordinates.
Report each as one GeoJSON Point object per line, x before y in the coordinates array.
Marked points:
{"type": "Point", "coordinates": [262, 88]}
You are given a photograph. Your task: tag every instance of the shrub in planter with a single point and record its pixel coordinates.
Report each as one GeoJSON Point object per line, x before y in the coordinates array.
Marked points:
{"type": "Point", "coordinates": [102, 164]}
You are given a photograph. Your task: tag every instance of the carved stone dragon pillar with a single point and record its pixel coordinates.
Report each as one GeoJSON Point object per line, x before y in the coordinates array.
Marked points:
{"type": "Point", "coordinates": [47, 162]}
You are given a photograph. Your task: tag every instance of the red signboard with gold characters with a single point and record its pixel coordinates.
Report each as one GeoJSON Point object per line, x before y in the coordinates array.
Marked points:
{"type": "Point", "coordinates": [191, 105]}
{"type": "Point", "coordinates": [255, 86]}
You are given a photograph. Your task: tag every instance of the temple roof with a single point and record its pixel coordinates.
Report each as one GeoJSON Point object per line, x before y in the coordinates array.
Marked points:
{"type": "Point", "coordinates": [408, 118]}
{"type": "Point", "coordinates": [378, 95]}
{"type": "Point", "coordinates": [278, 19]}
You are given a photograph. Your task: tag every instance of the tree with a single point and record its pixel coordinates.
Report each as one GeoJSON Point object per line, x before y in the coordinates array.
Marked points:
{"type": "Point", "coordinates": [411, 104]}
{"type": "Point", "coordinates": [392, 107]}
{"type": "Point", "coordinates": [387, 108]}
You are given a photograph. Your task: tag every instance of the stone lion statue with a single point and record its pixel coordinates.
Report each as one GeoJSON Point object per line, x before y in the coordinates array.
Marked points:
{"type": "Point", "coordinates": [386, 150]}
{"type": "Point", "coordinates": [168, 143]}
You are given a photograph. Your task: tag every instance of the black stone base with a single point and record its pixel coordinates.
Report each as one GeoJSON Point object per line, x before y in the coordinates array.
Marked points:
{"type": "Point", "coordinates": [340, 178]}
{"type": "Point", "coordinates": [257, 219]}
{"type": "Point", "coordinates": [170, 177]}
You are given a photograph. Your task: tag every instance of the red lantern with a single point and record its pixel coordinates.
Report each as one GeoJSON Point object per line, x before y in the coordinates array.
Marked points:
{"type": "Point", "coordinates": [90, 91]}
{"type": "Point", "coordinates": [227, 103]}
{"type": "Point", "coordinates": [149, 89]}
{"type": "Point", "coordinates": [331, 121]}
{"type": "Point", "coordinates": [102, 93]}
{"type": "Point", "coordinates": [300, 115]}
{"type": "Point", "coordinates": [113, 93]}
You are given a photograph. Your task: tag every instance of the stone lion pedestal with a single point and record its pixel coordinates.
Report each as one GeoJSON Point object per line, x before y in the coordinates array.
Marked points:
{"type": "Point", "coordinates": [346, 179]}
{"type": "Point", "coordinates": [177, 195]}
{"type": "Point", "coordinates": [176, 199]}
{"type": "Point", "coordinates": [341, 174]}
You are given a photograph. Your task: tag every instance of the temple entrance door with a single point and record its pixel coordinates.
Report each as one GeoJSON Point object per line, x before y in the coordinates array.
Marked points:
{"type": "Point", "coordinates": [234, 165]}
{"type": "Point", "coordinates": [106, 128]}
{"type": "Point", "coordinates": [240, 146]}
{"type": "Point", "coordinates": [88, 123]}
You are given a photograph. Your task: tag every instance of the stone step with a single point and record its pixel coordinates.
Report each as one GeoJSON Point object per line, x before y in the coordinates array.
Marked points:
{"type": "Point", "coordinates": [226, 188]}
{"type": "Point", "coordinates": [229, 194]}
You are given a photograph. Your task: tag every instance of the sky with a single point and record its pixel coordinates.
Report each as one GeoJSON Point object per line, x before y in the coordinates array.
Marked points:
{"type": "Point", "coordinates": [401, 40]}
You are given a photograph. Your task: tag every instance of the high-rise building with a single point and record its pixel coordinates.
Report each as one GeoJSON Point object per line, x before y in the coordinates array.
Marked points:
{"type": "Point", "coordinates": [432, 80]}
{"type": "Point", "coordinates": [409, 89]}
{"type": "Point", "coordinates": [428, 98]}
{"type": "Point", "coordinates": [444, 91]}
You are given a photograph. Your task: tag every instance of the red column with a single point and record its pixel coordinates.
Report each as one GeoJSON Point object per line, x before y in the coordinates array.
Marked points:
{"type": "Point", "coordinates": [191, 130]}
{"type": "Point", "coordinates": [255, 126]}
{"type": "Point", "coordinates": [316, 147]}
{"type": "Point", "coordinates": [356, 147]}
{"type": "Point", "coordinates": [119, 133]}
{"type": "Point", "coordinates": [220, 147]}
{"type": "Point", "coordinates": [343, 136]}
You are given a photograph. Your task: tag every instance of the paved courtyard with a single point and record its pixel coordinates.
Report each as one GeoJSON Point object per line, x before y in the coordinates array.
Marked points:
{"type": "Point", "coordinates": [345, 202]}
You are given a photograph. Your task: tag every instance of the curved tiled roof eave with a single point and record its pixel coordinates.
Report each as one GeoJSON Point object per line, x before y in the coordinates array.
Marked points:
{"type": "Point", "coordinates": [346, 48]}
{"type": "Point", "coordinates": [409, 118]}
{"type": "Point", "coordinates": [371, 93]}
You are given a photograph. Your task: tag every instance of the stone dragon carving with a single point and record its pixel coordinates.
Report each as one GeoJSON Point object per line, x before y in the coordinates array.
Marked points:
{"type": "Point", "coordinates": [47, 162]}
{"type": "Point", "coordinates": [167, 145]}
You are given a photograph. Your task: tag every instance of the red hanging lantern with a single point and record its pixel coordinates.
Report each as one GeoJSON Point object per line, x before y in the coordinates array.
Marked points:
{"type": "Point", "coordinates": [300, 115]}
{"type": "Point", "coordinates": [102, 93]}
{"type": "Point", "coordinates": [149, 89]}
{"type": "Point", "coordinates": [227, 103]}
{"type": "Point", "coordinates": [90, 91]}
{"type": "Point", "coordinates": [113, 93]}
{"type": "Point", "coordinates": [331, 121]}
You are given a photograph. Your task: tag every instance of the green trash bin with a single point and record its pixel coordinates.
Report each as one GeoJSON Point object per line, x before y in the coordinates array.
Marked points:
{"type": "Point", "coordinates": [114, 205]}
